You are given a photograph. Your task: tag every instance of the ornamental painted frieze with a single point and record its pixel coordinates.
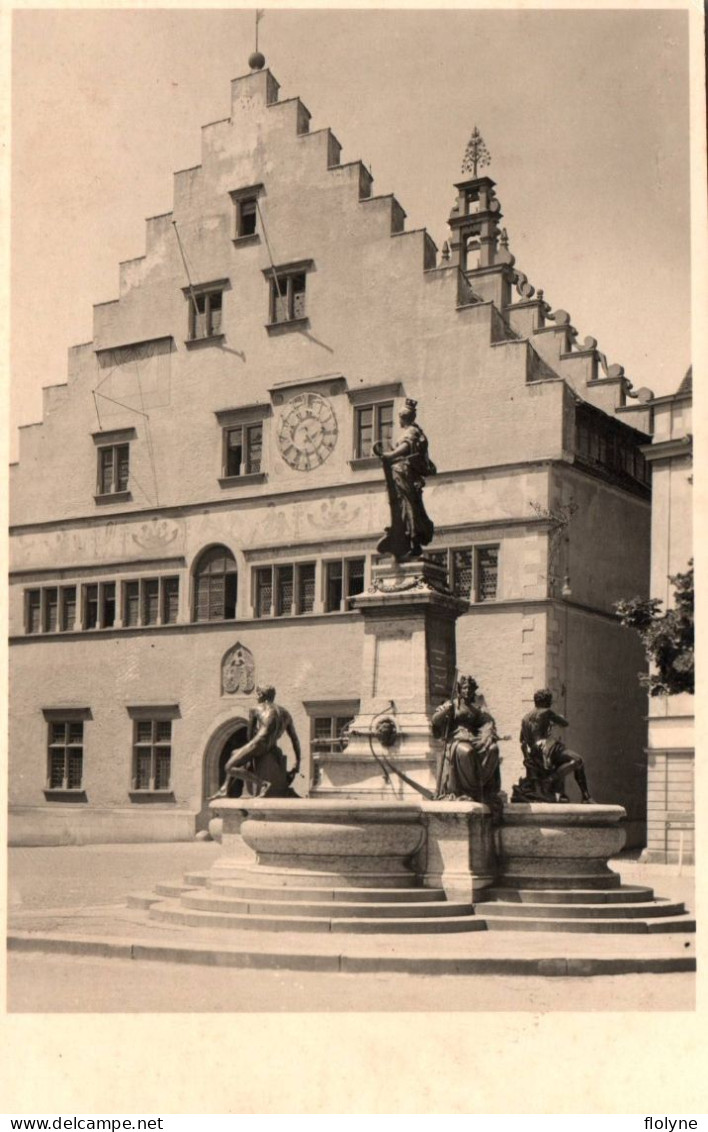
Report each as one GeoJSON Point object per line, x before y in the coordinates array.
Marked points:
{"type": "Point", "coordinates": [238, 671]}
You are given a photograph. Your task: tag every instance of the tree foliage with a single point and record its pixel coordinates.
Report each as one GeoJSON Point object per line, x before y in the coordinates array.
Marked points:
{"type": "Point", "coordinates": [667, 637]}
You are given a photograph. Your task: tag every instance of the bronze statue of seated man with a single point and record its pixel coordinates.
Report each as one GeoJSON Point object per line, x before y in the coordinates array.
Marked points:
{"type": "Point", "coordinates": [547, 760]}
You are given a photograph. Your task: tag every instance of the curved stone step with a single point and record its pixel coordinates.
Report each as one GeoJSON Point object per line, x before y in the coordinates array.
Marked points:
{"type": "Point", "coordinates": [520, 881]}
{"type": "Point", "coordinates": [318, 895]}
{"type": "Point", "coordinates": [659, 908]}
{"type": "Point", "coordinates": [619, 926]}
{"type": "Point", "coordinates": [264, 876]}
{"type": "Point", "coordinates": [170, 911]}
{"type": "Point", "coordinates": [340, 909]}
{"type": "Point", "coordinates": [625, 894]}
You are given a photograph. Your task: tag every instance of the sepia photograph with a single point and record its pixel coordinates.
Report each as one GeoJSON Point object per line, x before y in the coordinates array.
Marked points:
{"type": "Point", "coordinates": [351, 631]}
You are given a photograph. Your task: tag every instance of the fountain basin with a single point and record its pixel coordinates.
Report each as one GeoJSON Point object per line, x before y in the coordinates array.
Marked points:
{"type": "Point", "coordinates": [562, 845]}
{"type": "Point", "coordinates": [286, 842]}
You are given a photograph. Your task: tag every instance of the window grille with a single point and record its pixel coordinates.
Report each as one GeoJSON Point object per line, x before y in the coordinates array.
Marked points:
{"type": "Point", "coordinates": [284, 591]}
{"type": "Point", "coordinates": [487, 571]}
{"type": "Point", "coordinates": [462, 572]}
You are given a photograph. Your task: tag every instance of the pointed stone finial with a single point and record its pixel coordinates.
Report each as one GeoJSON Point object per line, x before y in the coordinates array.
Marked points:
{"type": "Point", "coordinates": [504, 238]}
{"type": "Point", "coordinates": [476, 155]}
{"type": "Point", "coordinates": [446, 252]}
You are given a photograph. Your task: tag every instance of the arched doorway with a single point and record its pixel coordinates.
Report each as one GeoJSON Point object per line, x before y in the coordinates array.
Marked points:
{"type": "Point", "coordinates": [227, 738]}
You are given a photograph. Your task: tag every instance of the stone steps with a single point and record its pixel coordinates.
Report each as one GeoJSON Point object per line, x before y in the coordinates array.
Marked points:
{"type": "Point", "coordinates": [625, 894]}
{"type": "Point", "coordinates": [569, 924]}
{"type": "Point", "coordinates": [325, 909]}
{"type": "Point", "coordinates": [175, 912]}
{"type": "Point", "coordinates": [581, 911]}
{"type": "Point", "coordinates": [318, 895]}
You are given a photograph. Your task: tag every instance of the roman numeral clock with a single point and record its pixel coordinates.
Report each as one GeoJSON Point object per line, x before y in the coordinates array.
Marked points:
{"type": "Point", "coordinates": [307, 431]}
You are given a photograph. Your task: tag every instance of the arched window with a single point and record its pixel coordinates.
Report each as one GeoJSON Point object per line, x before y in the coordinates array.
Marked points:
{"type": "Point", "coordinates": [215, 585]}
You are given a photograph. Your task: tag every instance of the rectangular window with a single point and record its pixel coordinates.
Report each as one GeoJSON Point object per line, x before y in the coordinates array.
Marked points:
{"type": "Point", "coordinates": [246, 217]}
{"type": "Point", "coordinates": [244, 450]}
{"type": "Point", "coordinates": [305, 602]}
{"type": "Point", "coordinates": [287, 296]}
{"type": "Point", "coordinates": [487, 569]}
{"type": "Point", "coordinates": [284, 591]}
{"type": "Point", "coordinates": [327, 733]}
{"type": "Point", "coordinates": [205, 313]}
{"type": "Point", "coordinates": [264, 591]}
{"type": "Point", "coordinates": [472, 572]}
{"type": "Point", "coordinates": [113, 469]}
{"type": "Point", "coordinates": [51, 610]}
{"type": "Point", "coordinates": [68, 608]}
{"type": "Point", "coordinates": [150, 601]}
{"type": "Point", "coordinates": [461, 573]}
{"type": "Point", "coordinates": [372, 423]}
{"type": "Point", "coordinates": [65, 755]}
{"type": "Point", "coordinates": [152, 754]}
{"type": "Point", "coordinates": [170, 600]}
{"type": "Point", "coordinates": [98, 605]}
{"type": "Point", "coordinates": [131, 603]}
{"type": "Point", "coordinates": [90, 619]}
{"type": "Point", "coordinates": [343, 581]}
{"type": "Point", "coordinates": [34, 607]}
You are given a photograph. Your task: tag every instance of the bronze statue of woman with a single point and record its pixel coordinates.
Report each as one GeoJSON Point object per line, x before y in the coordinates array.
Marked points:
{"type": "Point", "coordinates": [405, 468]}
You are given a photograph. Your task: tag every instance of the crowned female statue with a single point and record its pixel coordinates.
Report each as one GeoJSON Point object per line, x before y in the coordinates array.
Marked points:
{"type": "Point", "coordinates": [405, 468]}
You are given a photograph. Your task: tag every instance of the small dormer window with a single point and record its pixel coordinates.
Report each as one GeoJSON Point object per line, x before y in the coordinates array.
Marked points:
{"type": "Point", "coordinates": [113, 469]}
{"type": "Point", "coordinates": [288, 286]}
{"type": "Point", "coordinates": [205, 315]}
{"type": "Point", "coordinates": [205, 304]}
{"type": "Point", "coordinates": [246, 214]}
{"type": "Point", "coordinates": [287, 297]}
{"type": "Point", "coordinates": [246, 217]}
{"type": "Point", "coordinates": [113, 464]}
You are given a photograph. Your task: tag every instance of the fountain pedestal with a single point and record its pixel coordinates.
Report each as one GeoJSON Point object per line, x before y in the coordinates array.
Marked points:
{"type": "Point", "coordinates": [408, 666]}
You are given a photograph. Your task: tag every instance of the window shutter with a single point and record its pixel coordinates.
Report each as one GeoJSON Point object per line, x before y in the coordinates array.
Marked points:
{"type": "Point", "coordinates": [123, 466]}
{"type": "Point", "coordinates": [306, 597]}
{"type": "Point", "coordinates": [131, 612]}
{"type": "Point", "coordinates": [298, 289]}
{"type": "Point", "coordinates": [216, 597]}
{"type": "Point", "coordinates": [171, 600]}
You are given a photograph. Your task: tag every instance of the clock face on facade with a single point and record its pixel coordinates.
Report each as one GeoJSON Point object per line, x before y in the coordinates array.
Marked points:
{"type": "Point", "coordinates": [307, 431]}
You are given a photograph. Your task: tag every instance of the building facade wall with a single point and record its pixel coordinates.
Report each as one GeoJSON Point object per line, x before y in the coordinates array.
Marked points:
{"type": "Point", "coordinates": [382, 321]}
{"type": "Point", "coordinates": [671, 742]}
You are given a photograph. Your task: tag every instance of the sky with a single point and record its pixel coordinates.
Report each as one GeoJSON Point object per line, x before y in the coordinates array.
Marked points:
{"type": "Point", "coordinates": [585, 114]}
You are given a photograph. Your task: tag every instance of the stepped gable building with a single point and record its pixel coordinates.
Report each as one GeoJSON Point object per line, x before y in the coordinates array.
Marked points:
{"type": "Point", "coordinates": [200, 502]}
